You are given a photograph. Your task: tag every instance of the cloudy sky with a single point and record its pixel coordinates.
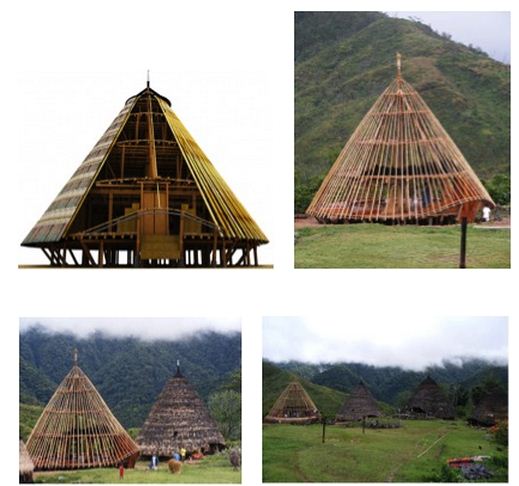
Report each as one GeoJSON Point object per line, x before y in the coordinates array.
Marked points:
{"type": "Point", "coordinates": [412, 343]}
{"type": "Point", "coordinates": [488, 30]}
{"type": "Point", "coordinates": [173, 329]}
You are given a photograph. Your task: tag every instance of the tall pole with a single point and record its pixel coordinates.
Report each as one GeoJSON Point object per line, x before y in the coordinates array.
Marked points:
{"type": "Point", "coordinates": [324, 430]}
{"type": "Point", "coordinates": [463, 248]}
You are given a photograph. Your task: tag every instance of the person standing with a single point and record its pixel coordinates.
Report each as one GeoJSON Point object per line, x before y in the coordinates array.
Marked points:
{"type": "Point", "coordinates": [121, 471]}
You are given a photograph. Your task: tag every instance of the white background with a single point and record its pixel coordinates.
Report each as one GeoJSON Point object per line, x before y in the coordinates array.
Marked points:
{"type": "Point", "coordinates": [227, 66]}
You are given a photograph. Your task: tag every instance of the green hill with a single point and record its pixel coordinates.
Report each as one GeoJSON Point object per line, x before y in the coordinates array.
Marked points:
{"type": "Point", "coordinates": [275, 380]}
{"type": "Point", "coordinates": [129, 373]}
{"type": "Point", "coordinates": [343, 62]}
{"type": "Point", "coordinates": [29, 415]}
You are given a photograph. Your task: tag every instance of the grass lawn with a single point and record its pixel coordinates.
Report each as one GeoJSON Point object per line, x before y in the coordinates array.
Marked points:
{"type": "Point", "coordinates": [294, 453]}
{"type": "Point", "coordinates": [212, 469]}
{"type": "Point", "coordinates": [381, 246]}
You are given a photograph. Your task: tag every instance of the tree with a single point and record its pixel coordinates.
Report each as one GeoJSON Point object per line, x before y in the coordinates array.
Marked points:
{"type": "Point", "coordinates": [225, 407]}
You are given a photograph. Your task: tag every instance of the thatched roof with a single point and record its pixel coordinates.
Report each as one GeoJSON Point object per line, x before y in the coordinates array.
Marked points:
{"type": "Point", "coordinates": [429, 400]}
{"type": "Point", "coordinates": [64, 217]}
{"type": "Point", "coordinates": [179, 419]}
{"type": "Point", "coordinates": [294, 405]}
{"type": "Point", "coordinates": [358, 405]}
{"type": "Point", "coordinates": [26, 465]}
{"type": "Point", "coordinates": [399, 165]}
{"type": "Point", "coordinates": [492, 408]}
{"type": "Point", "coordinates": [77, 430]}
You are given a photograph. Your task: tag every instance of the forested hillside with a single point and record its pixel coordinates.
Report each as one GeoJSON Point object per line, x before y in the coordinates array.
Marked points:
{"type": "Point", "coordinates": [128, 372]}
{"type": "Point", "coordinates": [343, 62]}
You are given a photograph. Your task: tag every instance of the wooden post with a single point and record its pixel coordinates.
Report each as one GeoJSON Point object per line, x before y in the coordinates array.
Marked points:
{"type": "Point", "coordinates": [324, 430]}
{"type": "Point", "coordinates": [463, 249]}
{"type": "Point", "coordinates": [363, 424]}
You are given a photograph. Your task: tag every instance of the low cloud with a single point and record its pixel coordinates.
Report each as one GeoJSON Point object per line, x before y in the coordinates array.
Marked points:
{"type": "Point", "coordinates": [410, 343]}
{"type": "Point", "coordinates": [144, 328]}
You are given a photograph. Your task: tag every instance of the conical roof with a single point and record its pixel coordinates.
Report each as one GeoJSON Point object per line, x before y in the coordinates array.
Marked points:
{"type": "Point", "coordinates": [430, 400]}
{"type": "Point", "coordinates": [146, 145]}
{"type": "Point", "coordinates": [294, 405]}
{"type": "Point", "coordinates": [358, 405]}
{"type": "Point", "coordinates": [77, 430]}
{"type": "Point", "coordinates": [400, 164]}
{"type": "Point", "coordinates": [179, 419]}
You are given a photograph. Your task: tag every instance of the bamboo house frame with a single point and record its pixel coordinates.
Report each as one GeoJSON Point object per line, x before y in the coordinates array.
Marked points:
{"type": "Point", "coordinates": [77, 430]}
{"type": "Point", "coordinates": [359, 405]}
{"type": "Point", "coordinates": [147, 195]}
{"type": "Point", "coordinates": [399, 166]}
{"type": "Point", "coordinates": [179, 419]}
{"type": "Point", "coordinates": [293, 406]}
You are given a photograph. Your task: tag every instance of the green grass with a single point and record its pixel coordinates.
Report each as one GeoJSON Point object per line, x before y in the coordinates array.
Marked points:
{"type": "Point", "coordinates": [212, 469]}
{"type": "Point", "coordinates": [380, 246]}
{"type": "Point", "coordinates": [29, 415]}
{"type": "Point", "coordinates": [295, 453]}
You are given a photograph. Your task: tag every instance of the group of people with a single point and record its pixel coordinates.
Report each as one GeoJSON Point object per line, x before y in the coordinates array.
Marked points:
{"type": "Point", "coordinates": [177, 456]}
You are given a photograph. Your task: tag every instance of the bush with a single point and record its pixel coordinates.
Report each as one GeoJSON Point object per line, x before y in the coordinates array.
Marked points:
{"type": "Point", "coordinates": [446, 474]}
{"type": "Point", "coordinates": [500, 432]}
{"type": "Point", "coordinates": [499, 189]}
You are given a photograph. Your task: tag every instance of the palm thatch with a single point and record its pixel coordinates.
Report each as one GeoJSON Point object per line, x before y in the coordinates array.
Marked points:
{"type": "Point", "coordinates": [400, 165]}
{"type": "Point", "coordinates": [293, 406]}
{"type": "Point", "coordinates": [146, 187]}
{"type": "Point", "coordinates": [77, 430]}
{"type": "Point", "coordinates": [359, 405]}
{"type": "Point", "coordinates": [492, 408]}
{"type": "Point", "coordinates": [429, 401]}
{"type": "Point", "coordinates": [26, 465]}
{"type": "Point", "coordinates": [179, 419]}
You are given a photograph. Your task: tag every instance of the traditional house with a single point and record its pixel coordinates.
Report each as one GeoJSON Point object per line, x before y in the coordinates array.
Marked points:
{"type": "Point", "coordinates": [26, 465]}
{"type": "Point", "coordinates": [179, 419]}
{"type": "Point", "coordinates": [77, 430]}
{"type": "Point", "coordinates": [147, 195]}
{"type": "Point", "coordinates": [430, 401]}
{"type": "Point", "coordinates": [492, 408]}
{"type": "Point", "coordinates": [293, 406]}
{"type": "Point", "coordinates": [358, 406]}
{"type": "Point", "coordinates": [400, 165]}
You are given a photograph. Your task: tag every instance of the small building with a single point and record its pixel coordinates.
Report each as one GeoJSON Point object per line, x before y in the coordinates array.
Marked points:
{"type": "Point", "coordinates": [430, 401]}
{"type": "Point", "coordinates": [179, 419]}
{"type": "Point", "coordinates": [358, 406]}
{"type": "Point", "coordinates": [77, 430]}
{"type": "Point", "coordinates": [492, 408]}
{"type": "Point", "coordinates": [293, 406]}
{"type": "Point", "coordinates": [26, 465]}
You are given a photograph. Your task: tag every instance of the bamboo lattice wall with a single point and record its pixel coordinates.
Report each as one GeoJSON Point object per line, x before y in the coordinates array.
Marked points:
{"type": "Point", "coordinates": [294, 405]}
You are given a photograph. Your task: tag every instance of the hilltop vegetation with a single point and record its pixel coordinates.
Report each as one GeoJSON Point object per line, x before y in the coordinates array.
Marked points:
{"type": "Point", "coordinates": [343, 62]}
{"type": "Point", "coordinates": [129, 373]}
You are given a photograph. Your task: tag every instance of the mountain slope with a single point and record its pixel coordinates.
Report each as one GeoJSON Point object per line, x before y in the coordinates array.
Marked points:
{"type": "Point", "coordinates": [339, 73]}
{"type": "Point", "coordinates": [128, 373]}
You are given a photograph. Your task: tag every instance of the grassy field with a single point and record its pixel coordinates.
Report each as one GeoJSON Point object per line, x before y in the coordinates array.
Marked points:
{"type": "Point", "coordinates": [295, 453]}
{"type": "Point", "coordinates": [212, 469]}
{"type": "Point", "coordinates": [380, 246]}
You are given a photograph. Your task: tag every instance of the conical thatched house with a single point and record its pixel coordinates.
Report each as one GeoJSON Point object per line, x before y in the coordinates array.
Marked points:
{"type": "Point", "coordinates": [293, 406]}
{"type": "Point", "coordinates": [429, 401]}
{"type": "Point", "coordinates": [77, 430]}
{"type": "Point", "coordinates": [492, 408]}
{"type": "Point", "coordinates": [147, 195]}
{"type": "Point", "coordinates": [359, 405]}
{"type": "Point", "coordinates": [26, 465]}
{"type": "Point", "coordinates": [400, 165]}
{"type": "Point", "coordinates": [179, 419]}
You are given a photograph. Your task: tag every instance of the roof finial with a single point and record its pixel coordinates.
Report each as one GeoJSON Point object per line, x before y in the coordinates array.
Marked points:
{"type": "Point", "coordinates": [178, 366]}
{"type": "Point", "coordinates": [148, 79]}
{"type": "Point", "coordinates": [74, 354]}
{"type": "Point", "coordinates": [398, 64]}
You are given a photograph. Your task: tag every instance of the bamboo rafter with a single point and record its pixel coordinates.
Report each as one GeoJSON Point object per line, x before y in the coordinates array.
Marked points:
{"type": "Point", "coordinates": [399, 164]}
{"type": "Point", "coordinates": [77, 430]}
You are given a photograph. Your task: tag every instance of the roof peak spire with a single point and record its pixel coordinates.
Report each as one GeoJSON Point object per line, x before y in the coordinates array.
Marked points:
{"type": "Point", "coordinates": [178, 373]}
{"type": "Point", "coordinates": [74, 356]}
{"type": "Point", "coordinates": [398, 64]}
{"type": "Point", "coordinates": [148, 79]}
